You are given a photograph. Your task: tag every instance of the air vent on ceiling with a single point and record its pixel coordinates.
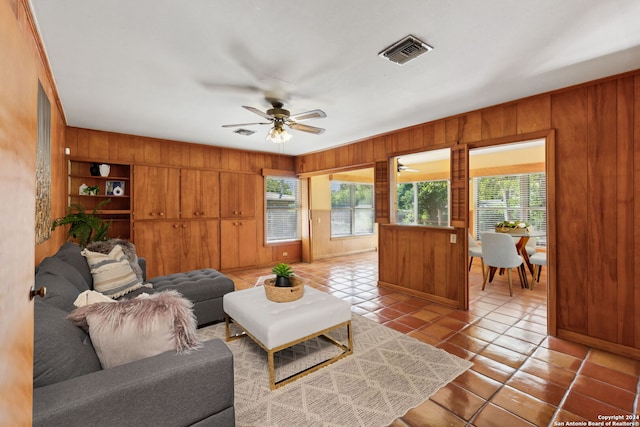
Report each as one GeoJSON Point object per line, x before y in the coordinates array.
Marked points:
{"type": "Point", "coordinates": [405, 50]}
{"type": "Point", "coordinates": [245, 132]}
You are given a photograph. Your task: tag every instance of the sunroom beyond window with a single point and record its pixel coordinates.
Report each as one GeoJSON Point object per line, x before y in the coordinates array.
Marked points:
{"type": "Point", "coordinates": [422, 190]}
{"type": "Point", "coordinates": [352, 212]}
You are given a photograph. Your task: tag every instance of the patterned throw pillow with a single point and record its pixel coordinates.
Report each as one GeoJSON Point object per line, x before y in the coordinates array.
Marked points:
{"type": "Point", "coordinates": [112, 274]}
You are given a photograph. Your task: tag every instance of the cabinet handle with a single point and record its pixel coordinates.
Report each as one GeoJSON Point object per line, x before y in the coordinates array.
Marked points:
{"type": "Point", "coordinates": [184, 225]}
{"type": "Point", "coordinates": [161, 214]}
{"type": "Point", "coordinates": [175, 225]}
{"type": "Point", "coordinates": [241, 213]}
{"type": "Point", "coordinates": [203, 213]}
{"type": "Point", "coordinates": [152, 214]}
{"type": "Point", "coordinates": [235, 212]}
{"type": "Point", "coordinates": [196, 213]}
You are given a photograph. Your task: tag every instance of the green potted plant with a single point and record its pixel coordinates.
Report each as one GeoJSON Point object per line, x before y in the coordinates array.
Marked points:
{"type": "Point", "coordinates": [283, 274]}
{"type": "Point", "coordinates": [92, 190]}
{"type": "Point", "coordinates": [84, 227]}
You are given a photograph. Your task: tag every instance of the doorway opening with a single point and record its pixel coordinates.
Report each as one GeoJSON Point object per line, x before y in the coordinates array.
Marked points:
{"type": "Point", "coordinates": [508, 184]}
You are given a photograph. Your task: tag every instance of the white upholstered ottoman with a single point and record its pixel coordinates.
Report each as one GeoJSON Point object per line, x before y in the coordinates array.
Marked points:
{"type": "Point", "coordinates": [275, 326]}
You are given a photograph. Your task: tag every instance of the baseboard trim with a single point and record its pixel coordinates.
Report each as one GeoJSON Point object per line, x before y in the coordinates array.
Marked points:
{"type": "Point", "coordinates": [429, 297]}
{"type": "Point", "coordinates": [600, 344]}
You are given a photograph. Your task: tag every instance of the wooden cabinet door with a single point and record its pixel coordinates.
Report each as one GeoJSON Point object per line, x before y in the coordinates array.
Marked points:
{"type": "Point", "coordinates": [239, 195]}
{"type": "Point", "coordinates": [228, 244]}
{"type": "Point", "coordinates": [199, 194]}
{"type": "Point", "coordinates": [247, 243]}
{"type": "Point", "coordinates": [159, 243]}
{"type": "Point", "coordinates": [156, 192]}
{"type": "Point", "coordinates": [238, 242]}
{"type": "Point", "coordinates": [200, 245]}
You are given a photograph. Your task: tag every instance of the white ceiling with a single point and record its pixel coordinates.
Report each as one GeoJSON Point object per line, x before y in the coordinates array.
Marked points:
{"type": "Point", "coordinates": [181, 69]}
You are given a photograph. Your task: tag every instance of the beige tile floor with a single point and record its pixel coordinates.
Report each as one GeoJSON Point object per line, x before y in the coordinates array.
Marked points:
{"type": "Point", "coordinates": [520, 377]}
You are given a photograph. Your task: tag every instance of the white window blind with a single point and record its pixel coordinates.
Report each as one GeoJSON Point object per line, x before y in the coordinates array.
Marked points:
{"type": "Point", "coordinates": [283, 208]}
{"type": "Point", "coordinates": [520, 197]}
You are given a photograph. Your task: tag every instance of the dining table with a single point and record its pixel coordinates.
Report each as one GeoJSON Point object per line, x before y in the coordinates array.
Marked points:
{"type": "Point", "coordinates": [523, 235]}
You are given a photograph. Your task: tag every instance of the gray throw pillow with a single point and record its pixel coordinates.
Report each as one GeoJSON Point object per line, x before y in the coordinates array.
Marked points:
{"type": "Point", "coordinates": [61, 350]}
{"type": "Point", "coordinates": [61, 292]}
{"type": "Point", "coordinates": [70, 253]}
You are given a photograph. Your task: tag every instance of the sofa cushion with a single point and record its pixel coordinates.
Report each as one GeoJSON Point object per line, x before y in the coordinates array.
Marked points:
{"type": "Point", "coordinates": [112, 274]}
{"type": "Point", "coordinates": [133, 329]}
{"type": "Point", "coordinates": [61, 350]}
{"type": "Point", "coordinates": [197, 285]}
{"type": "Point", "coordinates": [70, 253]}
{"type": "Point", "coordinates": [61, 281]}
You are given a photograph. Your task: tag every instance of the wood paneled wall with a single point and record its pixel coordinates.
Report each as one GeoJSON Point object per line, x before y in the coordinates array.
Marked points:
{"type": "Point", "coordinates": [594, 273]}
{"type": "Point", "coordinates": [117, 147]}
{"type": "Point", "coordinates": [114, 147]}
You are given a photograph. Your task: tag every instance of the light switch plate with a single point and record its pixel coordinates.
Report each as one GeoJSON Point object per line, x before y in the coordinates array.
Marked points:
{"type": "Point", "coordinates": [453, 238]}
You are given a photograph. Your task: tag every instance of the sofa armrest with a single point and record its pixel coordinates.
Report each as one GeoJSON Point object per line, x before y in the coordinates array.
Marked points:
{"type": "Point", "coordinates": [167, 389]}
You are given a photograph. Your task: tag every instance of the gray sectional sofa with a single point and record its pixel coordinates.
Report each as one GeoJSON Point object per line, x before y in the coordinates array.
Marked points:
{"type": "Point", "coordinates": [70, 386]}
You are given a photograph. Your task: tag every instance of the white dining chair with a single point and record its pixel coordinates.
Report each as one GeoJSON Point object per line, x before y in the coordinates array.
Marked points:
{"type": "Point", "coordinates": [499, 251]}
{"type": "Point", "coordinates": [538, 260]}
{"type": "Point", "coordinates": [475, 251]}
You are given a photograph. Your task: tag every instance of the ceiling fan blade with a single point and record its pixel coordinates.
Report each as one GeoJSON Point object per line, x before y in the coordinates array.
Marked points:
{"type": "Point", "coordinates": [245, 124]}
{"type": "Point", "coordinates": [403, 168]}
{"type": "Point", "coordinates": [258, 112]}
{"type": "Point", "coordinates": [306, 128]}
{"type": "Point", "coordinates": [313, 114]}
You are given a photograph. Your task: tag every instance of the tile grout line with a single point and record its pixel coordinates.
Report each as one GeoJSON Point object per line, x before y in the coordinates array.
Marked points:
{"type": "Point", "coordinates": [570, 387]}
{"type": "Point", "coordinates": [504, 383]}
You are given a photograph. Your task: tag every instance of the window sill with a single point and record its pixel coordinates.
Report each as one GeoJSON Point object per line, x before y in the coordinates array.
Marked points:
{"type": "Point", "coordinates": [353, 236]}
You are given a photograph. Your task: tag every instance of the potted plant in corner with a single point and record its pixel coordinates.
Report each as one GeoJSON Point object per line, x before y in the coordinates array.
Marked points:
{"type": "Point", "coordinates": [84, 227]}
{"type": "Point", "coordinates": [283, 274]}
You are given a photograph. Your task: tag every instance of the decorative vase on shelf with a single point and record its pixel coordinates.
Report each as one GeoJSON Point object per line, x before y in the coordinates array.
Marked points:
{"type": "Point", "coordinates": [94, 170]}
{"type": "Point", "coordinates": [104, 169]}
{"type": "Point", "coordinates": [83, 189]}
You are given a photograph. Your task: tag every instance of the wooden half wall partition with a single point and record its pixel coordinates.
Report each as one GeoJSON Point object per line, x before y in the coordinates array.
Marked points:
{"type": "Point", "coordinates": [594, 235]}
{"type": "Point", "coordinates": [422, 261]}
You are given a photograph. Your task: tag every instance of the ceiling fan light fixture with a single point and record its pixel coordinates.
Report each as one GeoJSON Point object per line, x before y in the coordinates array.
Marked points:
{"type": "Point", "coordinates": [278, 135]}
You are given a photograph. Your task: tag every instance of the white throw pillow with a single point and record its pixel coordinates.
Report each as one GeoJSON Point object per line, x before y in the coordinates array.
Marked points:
{"type": "Point", "coordinates": [129, 330]}
{"type": "Point", "coordinates": [112, 273]}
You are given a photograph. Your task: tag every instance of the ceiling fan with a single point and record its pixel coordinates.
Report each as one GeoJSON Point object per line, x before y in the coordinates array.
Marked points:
{"type": "Point", "coordinates": [404, 168]}
{"type": "Point", "coordinates": [280, 117]}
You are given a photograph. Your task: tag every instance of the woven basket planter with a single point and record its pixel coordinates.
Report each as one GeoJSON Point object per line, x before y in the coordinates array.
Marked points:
{"type": "Point", "coordinates": [277, 294]}
{"type": "Point", "coordinates": [510, 230]}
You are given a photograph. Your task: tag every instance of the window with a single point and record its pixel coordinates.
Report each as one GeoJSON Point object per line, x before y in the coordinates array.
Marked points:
{"type": "Point", "coordinates": [521, 197]}
{"type": "Point", "coordinates": [424, 203]}
{"type": "Point", "coordinates": [352, 211]}
{"type": "Point", "coordinates": [422, 188]}
{"type": "Point", "coordinates": [282, 195]}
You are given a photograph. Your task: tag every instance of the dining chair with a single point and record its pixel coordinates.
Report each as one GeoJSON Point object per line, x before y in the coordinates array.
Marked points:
{"type": "Point", "coordinates": [499, 251]}
{"type": "Point", "coordinates": [538, 260]}
{"type": "Point", "coordinates": [475, 251]}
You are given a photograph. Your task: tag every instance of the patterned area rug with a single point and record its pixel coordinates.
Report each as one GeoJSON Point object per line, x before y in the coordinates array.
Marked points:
{"type": "Point", "coordinates": [387, 374]}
